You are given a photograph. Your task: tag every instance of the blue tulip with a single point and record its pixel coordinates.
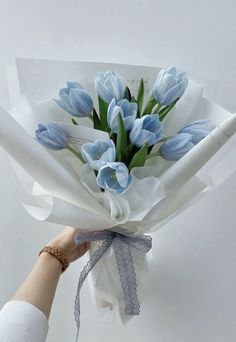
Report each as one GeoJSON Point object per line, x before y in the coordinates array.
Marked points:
{"type": "Point", "coordinates": [169, 86]}
{"type": "Point", "coordinates": [199, 130]}
{"type": "Point", "coordinates": [51, 136]}
{"type": "Point", "coordinates": [128, 111]}
{"type": "Point", "coordinates": [114, 177]}
{"type": "Point", "coordinates": [147, 129]}
{"type": "Point", "coordinates": [99, 153]}
{"type": "Point", "coordinates": [176, 147]}
{"type": "Point", "coordinates": [109, 85]}
{"type": "Point", "coordinates": [75, 100]}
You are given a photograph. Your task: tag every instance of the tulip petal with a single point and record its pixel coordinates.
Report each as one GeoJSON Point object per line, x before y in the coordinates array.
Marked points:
{"type": "Point", "coordinates": [127, 112]}
{"type": "Point", "coordinates": [124, 104]}
{"type": "Point", "coordinates": [74, 84]}
{"type": "Point", "coordinates": [63, 104]}
{"type": "Point", "coordinates": [109, 85]}
{"type": "Point", "coordinates": [64, 91]}
{"type": "Point", "coordinates": [175, 147]}
{"type": "Point", "coordinates": [174, 93]}
{"type": "Point", "coordinates": [199, 129]}
{"type": "Point", "coordinates": [148, 129]}
{"type": "Point", "coordinates": [98, 153]}
{"type": "Point", "coordinates": [104, 92]}
{"type": "Point", "coordinates": [81, 102]}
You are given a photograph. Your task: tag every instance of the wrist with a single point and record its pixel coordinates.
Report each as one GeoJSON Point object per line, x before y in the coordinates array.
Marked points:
{"type": "Point", "coordinates": [58, 254]}
{"type": "Point", "coordinates": [50, 261]}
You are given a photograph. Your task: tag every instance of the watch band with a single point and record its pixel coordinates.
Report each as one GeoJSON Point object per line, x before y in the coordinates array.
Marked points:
{"type": "Point", "coordinates": [59, 254]}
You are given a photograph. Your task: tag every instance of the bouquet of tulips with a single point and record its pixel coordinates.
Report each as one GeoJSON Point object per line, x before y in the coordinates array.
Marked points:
{"type": "Point", "coordinates": [134, 134]}
{"type": "Point", "coordinates": [116, 154]}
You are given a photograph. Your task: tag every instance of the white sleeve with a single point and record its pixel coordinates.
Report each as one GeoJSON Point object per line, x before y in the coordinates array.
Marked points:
{"type": "Point", "coordinates": [22, 322]}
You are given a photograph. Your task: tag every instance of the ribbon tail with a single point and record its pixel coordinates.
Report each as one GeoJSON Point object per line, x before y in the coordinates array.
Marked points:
{"type": "Point", "coordinates": [83, 275]}
{"type": "Point", "coordinates": [142, 243]}
{"type": "Point", "coordinates": [127, 275]}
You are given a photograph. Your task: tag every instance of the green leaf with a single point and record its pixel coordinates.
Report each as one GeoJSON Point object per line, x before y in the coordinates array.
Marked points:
{"type": "Point", "coordinates": [151, 103]}
{"type": "Point", "coordinates": [74, 121]}
{"type": "Point", "coordinates": [118, 156]}
{"type": "Point", "coordinates": [121, 141]}
{"type": "Point", "coordinates": [140, 95]}
{"type": "Point", "coordinates": [133, 99]}
{"type": "Point", "coordinates": [166, 110]}
{"type": "Point", "coordinates": [163, 110]}
{"type": "Point", "coordinates": [112, 136]}
{"type": "Point", "coordinates": [127, 94]}
{"type": "Point", "coordinates": [139, 158]}
{"type": "Point", "coordinates": [129, 149]}
{"type": "Point", "coordinates": [96, 120]}
{"type": "Point", "coordinates": [103, 114]}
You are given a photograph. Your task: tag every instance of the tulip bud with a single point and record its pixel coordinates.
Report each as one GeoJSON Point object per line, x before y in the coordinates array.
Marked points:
{"type": "Point", "coordinates": [51, 136]}
{"type": "Point", "coordinates": [170, 85]}
{"type": "Point", "coordinates": [75, 100]}
{"type": "Point", "coordinates": [109, 85]}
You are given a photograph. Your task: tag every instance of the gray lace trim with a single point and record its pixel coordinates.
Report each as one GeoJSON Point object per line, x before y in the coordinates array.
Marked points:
{"type": "Point", "coordinates": [122, 245]}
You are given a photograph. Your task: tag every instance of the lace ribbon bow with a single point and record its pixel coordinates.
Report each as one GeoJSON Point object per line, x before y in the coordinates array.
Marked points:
{"type": "Point", "coordinates": [122, 243]}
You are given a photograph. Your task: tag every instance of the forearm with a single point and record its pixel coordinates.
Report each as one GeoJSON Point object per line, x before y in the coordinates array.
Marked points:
{"type": "Point", "coordinates": [40, 286]}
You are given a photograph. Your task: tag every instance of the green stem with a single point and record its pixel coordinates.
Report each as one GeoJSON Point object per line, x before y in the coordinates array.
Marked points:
{"type": "Point", "coordinates": [156, 108]}
{"type": "Point", "coordinates": [76, 152]}
{"type": "Point", "coordinates": [150, 104]}
{"type": "Point", "coordinates": [74, 121]}
{"type": "Point", "coordinates": [166, 111]}
{"type": "Point", "coordinates": [155, 154]}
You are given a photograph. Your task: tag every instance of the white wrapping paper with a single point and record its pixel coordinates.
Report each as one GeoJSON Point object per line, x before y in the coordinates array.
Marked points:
{"type": "Point", "coordinates": [171, 187]}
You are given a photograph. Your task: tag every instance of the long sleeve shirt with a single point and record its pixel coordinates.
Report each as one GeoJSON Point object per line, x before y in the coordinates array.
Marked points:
{"type": "Point", "coordinates": [22, 322]}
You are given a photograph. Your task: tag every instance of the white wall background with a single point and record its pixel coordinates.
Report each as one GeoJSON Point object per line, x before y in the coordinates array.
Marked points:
{"type": "Point", "coordinates": [191, 292]}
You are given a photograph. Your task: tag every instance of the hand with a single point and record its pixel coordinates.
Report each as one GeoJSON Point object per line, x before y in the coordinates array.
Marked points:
{"type": "Point", "coordinates": [65, 241]}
